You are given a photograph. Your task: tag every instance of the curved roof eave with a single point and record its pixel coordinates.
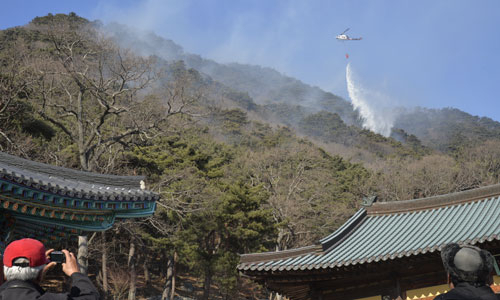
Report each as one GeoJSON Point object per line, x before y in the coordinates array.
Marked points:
{"type": "Point", "coordinates": [72, 183]}
{"type": "Point", "coordinates": [388, 231]}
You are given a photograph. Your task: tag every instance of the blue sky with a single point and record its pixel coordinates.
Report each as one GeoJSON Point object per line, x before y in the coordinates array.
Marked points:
{"type": "Point", "coordinates": [434, 54]}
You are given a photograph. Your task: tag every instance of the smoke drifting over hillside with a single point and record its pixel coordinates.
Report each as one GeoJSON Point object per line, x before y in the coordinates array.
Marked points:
{"type": "Point", "coordinates": [376, 114]}
{"type": "Point", "coordinates": [264, 85]}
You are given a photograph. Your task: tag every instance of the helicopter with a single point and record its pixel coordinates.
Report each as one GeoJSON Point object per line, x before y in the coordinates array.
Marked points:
{"type": "Point", "coordinates": [345, 37]}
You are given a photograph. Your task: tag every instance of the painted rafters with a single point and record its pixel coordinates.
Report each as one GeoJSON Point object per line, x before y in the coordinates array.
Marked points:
{"type": "Point", "coordinates": [37, 203]}
{"type": "Point", "coordinates": [51, 202]}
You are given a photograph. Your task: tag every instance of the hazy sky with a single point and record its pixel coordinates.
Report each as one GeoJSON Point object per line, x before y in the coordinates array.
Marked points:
{"type": "Point", "coordinates": [432, 53]}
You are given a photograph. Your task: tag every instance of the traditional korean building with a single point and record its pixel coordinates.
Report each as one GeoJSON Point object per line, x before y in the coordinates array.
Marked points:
{"type": "Point", "coordinates": [385, 250]}
{"type": "Point", "coordinates": [52, 203]}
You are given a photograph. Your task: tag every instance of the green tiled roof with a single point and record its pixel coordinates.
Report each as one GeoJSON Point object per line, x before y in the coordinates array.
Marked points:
{"type": "Point", "coordinates": [388, 231]}
{"type": "Point", "coordinates": [51, 203]}
{"type": "Point", "coordinates": [71, 183]}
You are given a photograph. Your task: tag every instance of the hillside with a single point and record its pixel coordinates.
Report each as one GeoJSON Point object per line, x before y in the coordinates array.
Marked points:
{"type": "Point", "coordinates": [290, 100]}
{"type": "Point", "coordinates": [263, 85]}
{"type": "Point", "coordinates": [447, 129]}
{"type": "Point", "coordinates": [270, 96]}
{"type": "Point", "coordinates": [245, 158]}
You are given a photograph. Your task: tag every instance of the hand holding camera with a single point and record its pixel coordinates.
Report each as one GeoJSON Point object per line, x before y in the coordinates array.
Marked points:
{"type": "Point", "coordinates": [57, 257]}
{"type": "Point", "coordinates": [66, 258]}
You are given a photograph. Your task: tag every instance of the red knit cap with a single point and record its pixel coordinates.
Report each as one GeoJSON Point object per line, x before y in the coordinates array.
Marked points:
{"type": "Point", "coordinates": [31, 249]}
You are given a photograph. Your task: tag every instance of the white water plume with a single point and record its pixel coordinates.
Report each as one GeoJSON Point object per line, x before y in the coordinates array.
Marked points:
{"type": "Point", "coordinates": [376, 114]}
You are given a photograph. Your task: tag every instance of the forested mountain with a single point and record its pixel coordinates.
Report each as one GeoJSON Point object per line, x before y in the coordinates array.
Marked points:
{"type": "Point", "coordinates": [263, 85]}
{"type": "Point", "coordinates": [245, 158]}
{"type": "Point", "coordinates": [447, 129]}
{"type": "Point", "coordinates": [290, 100]}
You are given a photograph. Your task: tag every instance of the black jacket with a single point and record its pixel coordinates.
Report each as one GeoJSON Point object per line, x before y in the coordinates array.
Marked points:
{"type": "Point", "coordinates": [81, 289]}
{"type": "Point", "coordinates": [466, 291]}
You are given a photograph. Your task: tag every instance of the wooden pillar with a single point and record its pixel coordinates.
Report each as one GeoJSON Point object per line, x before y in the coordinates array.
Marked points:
{"type": "Point", "coordinates": [396, 292]}
{"type": "Point", "coordinates": [315, 293]}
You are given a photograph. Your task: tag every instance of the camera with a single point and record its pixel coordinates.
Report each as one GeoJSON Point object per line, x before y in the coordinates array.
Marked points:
{"type": "Point", "coordinates": [58, 257]}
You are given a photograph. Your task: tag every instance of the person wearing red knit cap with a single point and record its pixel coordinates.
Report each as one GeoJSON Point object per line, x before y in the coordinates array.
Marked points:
{"type": "Point", "coordinates": [25, 263]}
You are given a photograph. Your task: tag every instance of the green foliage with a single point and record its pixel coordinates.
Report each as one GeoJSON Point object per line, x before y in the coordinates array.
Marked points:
{"type": "Point", "coordinates": [183, 151]}
{"type": "Point", "coordinates": [246, 225]}
{"type": "Point", "coordinates": [234, 223]}
{"type": "Point", "coordinates": [72, 19]}
{"type": "Point", "coordinates": [214, 215]}
{"type": "Point", "coordinates": [233, 120]}
{"type": "Point", "coordinates": [329, 126]}
{"type": "Point", "coordinates": [287, 114]}
{"type": "Point", "coordinates": [448, 129]}
{"type": "Point", "coordinates": [242, 99]}
{"type": "Point", "coordinates": [413, 145]}
{"type": "Point", "coordinates": [38, 128]}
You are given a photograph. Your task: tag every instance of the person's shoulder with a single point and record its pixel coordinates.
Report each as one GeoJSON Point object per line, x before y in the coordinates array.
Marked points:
{"type": "Point", "coordinates": [16, 284]}
{"type": "Point", "coordinates": [450, 295]}
{"type": "Point", "coordinates": [19, 289]}
{"type": "Point", "coordinates": [440, 297]}
{"type": "Point", "coordinates": [54, 296]}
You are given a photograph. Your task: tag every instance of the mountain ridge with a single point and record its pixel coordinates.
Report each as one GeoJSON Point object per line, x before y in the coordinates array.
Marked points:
{"type": "Point", "coordinates": [278, 92]}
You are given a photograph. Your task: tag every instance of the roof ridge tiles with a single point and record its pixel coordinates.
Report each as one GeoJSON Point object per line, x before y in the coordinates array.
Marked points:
{"type": "Point", "coordinates": [379, 237]}
{"type": "Point", "coordinates": [457, 198]}
{"type": "Point", "coordinates": [69, 182]}
{"type": "Point", "coordinates": [275, 255]}
{"type": "Point", "coordinates": [21, 165]}
{"type": "Point", "coordinates": [343, 230]}
{"type": "Point", "coordinates": [425, 241]}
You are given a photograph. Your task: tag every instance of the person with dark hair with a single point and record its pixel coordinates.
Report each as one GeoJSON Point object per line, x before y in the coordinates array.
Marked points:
{"type": "Point", "coordinates": [470, 273]}
{"type": "Point", "coordinates": [25, 263]}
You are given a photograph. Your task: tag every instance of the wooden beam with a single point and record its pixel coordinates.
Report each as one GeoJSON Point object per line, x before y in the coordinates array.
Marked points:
{"type": "Point", "coordinates": [390, 277]}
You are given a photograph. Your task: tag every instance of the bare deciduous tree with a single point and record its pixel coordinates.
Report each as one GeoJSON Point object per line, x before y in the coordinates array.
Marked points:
{"type": "Point", "coordinates": [404, 179]}
{"type": "Point", "coordinates": [15, 83]}
{"type": "Point", "coordinates": [88, 88]}
{"type": "Point", "coordinates": [96, 94]}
